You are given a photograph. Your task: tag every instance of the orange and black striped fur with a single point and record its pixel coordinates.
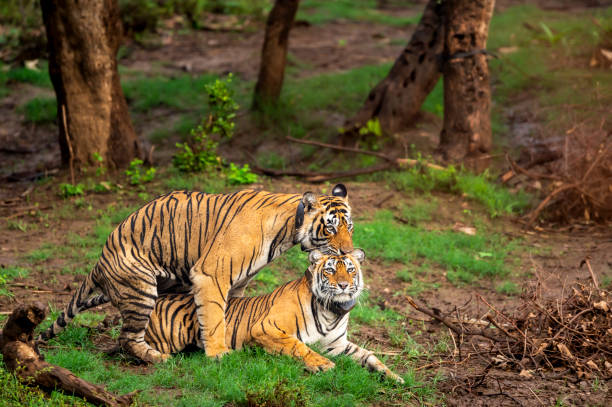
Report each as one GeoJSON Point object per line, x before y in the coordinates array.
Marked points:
{"type": "Point", "coordinates": [314, 308]}
{"type": "Point", "coordinates": [209, 245]}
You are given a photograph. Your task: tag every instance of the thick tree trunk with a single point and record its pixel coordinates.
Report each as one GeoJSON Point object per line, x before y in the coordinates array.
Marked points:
{"type": "Point", "coordinates": [274, 53]}
{"type": "Point", "coordinates": [21, 356]}
{"type": "Point", "coordinates": [83, 39]}
{"type": "Point", "coordinates": [397, 99]}
{"type": "Point", "coordinates": [467, 94]}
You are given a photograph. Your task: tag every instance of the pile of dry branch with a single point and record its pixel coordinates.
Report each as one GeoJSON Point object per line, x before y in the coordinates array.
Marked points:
{"type": "Point", "coordinates": [572, 333]}
{"type": "Point", "coordinates": [575, 178]}
{"type": "Point", "coordinates": [565, 336]}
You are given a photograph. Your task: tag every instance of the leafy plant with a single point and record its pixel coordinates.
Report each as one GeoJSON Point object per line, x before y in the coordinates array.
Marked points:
{"type": "Point", "coordinates": [137, 174]}
{"type": "Point", "coordinates": [239, 176]}
{"type": "Point", "coordinates": [200, 152]}
{"type": "Point", "coordinates": [197, 155]}
{"type": "Point", "coordinates": [68, 190]}
{"type": "Point", "coordinates": [100, 169]}
{"type": "Point", "coordinates": [223, 107]}
{"type": "Point", "coordinates": [372, 126]}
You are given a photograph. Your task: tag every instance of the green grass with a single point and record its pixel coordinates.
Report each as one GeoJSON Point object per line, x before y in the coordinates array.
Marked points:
{"type": "Point", "coordinates": [550, 55]}
{"type": "Point", "coordinates": [464, 257]}
{"type": "Point", "coordinates": [195, 380]}
{"type": "Point", "coordinates": [480, 188]}
{"type": "Point", "coordinates": [38, 77]}
{"type": "Point", "coordinates": [419, 211]}
{"type": "Point", "coordinates": [40, 110]}
{"type": "Point", "coordinates": [43, 253]}
{"type": "Point", "coordinates": [369, 313]}
{"type": "Point", "coordinates": [15, 394]}
{"type": "Point", "coordinates": [508, 288]}
{"type": "Point", "coordinates": [182, 92]}
{"type": "Point", "coordinates": [322, 12]}
{"type": "Point", "coordinates": [412, 274]}
{"type": "Point", "coordinates": [210, 183]}
{"type": "Point", "coordinates": [7, 274]}
{"type": "Point", "coordinates": [182, 128]}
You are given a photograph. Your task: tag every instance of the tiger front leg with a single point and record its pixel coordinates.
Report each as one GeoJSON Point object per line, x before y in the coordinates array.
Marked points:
{"type": "Point", "coordinates": [363, 356]}
{"type": "Point", "coordinates": [278, 342]}
{"type": "Point", "coordinates": [210, 297]}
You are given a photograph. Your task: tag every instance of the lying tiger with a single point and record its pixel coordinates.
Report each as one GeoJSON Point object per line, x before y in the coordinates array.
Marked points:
{"type": "Point", "coordinates": [314, 308]}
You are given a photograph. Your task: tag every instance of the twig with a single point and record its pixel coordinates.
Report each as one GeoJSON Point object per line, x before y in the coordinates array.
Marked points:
{"type": "Point", "coordinates": [321, 177]}
{"type": "Point", "coordinates": [501, 393]}
{"type": "Point", "coordinates": [71, 158]}
{"type": "Point", "coordinates": [340, 148]}
{"type": "Point", "coordinates": [544, 203]}
{"type": "Point", "coordinates": [519, 169]}
{"type": "Point", "coordinates": [536, 396]}
{"type": "Point", "coordinates": [458, 330]}
{"type": "Point", "coordinates": [593, 276]}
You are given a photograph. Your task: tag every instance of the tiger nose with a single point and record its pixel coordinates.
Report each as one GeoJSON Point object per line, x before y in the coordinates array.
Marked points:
{"type": "Point", "coordinates": [343, 285]}
{"type": "Point", "coordinates": [346, 249]}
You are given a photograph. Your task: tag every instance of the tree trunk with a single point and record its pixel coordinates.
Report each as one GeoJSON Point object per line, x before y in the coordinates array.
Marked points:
{"type": "Point", "coordinates": [274, 53]}
{"type": "Point", "coordinates": [467, 95]}
{"type": "Point", "coordinates": [83, 39]}
{"type": "Point", "coordinates": [397, 99]}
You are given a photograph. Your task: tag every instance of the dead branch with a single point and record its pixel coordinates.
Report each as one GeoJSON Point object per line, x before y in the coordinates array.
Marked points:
{"type": "Point", "coordinates": [21, 357]}
{"type": "Point", "coordinates": [391, 163]}
{"type": "Point", "coordinates": [460, 330]}
{"type": "Point", "coordinates": [340, 148]}
{"type": "Point", "coordinates": [546, 201]}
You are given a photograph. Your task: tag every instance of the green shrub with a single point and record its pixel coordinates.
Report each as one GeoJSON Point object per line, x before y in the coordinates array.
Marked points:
{"type": "Point", "coordinates": [68, 190]}
{"type": "Point", "coordinates": [199, 153]}
{"type": "Point", "coordinates": [137, 174]}
{"type": "Point", "coordinates": [240, 176]}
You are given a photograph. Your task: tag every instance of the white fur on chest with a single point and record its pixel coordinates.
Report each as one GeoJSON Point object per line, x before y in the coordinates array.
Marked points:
{"type": "Point", "coordinates": [328, 328]}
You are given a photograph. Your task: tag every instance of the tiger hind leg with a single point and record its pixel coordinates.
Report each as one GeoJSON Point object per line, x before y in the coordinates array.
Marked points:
{"type": "Point", "coordinates": [136, 316]}
{"type": "Point", "coordinates": [132, 340]}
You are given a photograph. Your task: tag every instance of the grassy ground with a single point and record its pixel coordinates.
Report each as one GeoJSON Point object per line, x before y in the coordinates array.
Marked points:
{"type": "Point", "coordinates": [411, 241]}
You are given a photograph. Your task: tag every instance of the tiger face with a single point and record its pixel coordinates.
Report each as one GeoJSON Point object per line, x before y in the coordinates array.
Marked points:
{"type": "Point", "coordinates": [336, 278]}
{"type": "Point", "coordinates": [325, 223]}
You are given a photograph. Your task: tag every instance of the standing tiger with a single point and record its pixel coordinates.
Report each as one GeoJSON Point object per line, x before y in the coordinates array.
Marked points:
{"type": "Point", "coordinates": [211, 245]}
{"type": "Point", "coordinates": [314, 308]}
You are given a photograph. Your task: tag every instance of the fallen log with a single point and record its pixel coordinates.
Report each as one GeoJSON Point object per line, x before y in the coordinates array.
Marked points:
{"type": "Point", "coordinates": [21, 357]}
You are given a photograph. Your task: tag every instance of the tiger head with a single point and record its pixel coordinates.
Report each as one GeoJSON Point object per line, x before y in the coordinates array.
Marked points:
{"type": "Point", "coordinates": [335, 280]}
{"type": "Point", "coordinates": [324, 222]}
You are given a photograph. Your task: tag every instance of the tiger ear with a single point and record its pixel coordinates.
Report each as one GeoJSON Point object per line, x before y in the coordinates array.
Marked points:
{"type": "Point", "coordinates": [340, 190]}
{"type": "Point", "coordinates": [358, 254]}
{"type": "Point", "coordinates": [309, 201]}
{"type": "Point", "coordinates": [314, 256]}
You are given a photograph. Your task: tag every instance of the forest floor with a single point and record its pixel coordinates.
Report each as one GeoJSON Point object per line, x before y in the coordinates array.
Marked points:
{"type": "Point", "coordinates": [443, 246]}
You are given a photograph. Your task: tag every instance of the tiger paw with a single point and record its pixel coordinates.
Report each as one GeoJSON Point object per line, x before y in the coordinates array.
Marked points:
{"type": "Point", "coordinates": [321, 366]}
{"type": "Point", "coordinates": [154, 356]}
{"type": "Point", "coordinates": [217, 352]}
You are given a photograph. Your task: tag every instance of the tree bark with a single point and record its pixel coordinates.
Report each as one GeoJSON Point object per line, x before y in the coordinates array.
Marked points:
{"type": "Point", "coordinates": [83, 39]}
{"type": "Point", "coordinates": [274, 53]}
{"type": "Point", "coordinates": [467, 94]}
{"type": "Point", "coordinates": [20, 355]}
{"type": "Point", "coordinates": [397, 99]}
